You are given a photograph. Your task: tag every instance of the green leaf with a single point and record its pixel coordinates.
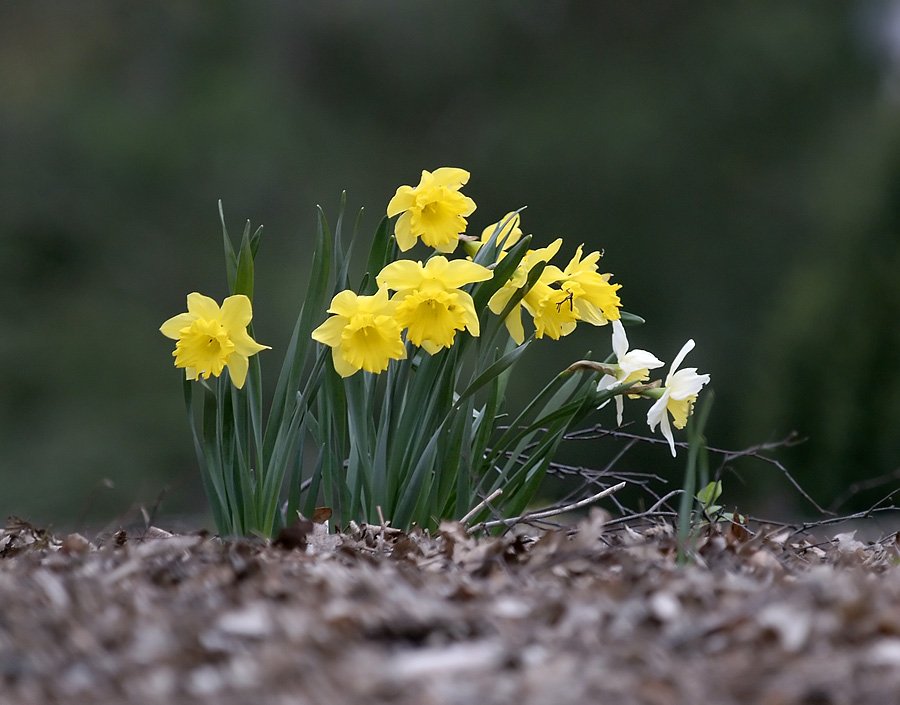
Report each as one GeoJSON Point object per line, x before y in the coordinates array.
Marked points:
{"type": "Point", "coordinates": [630, 319]}
{"type": "Point", "coordinates": [380, 254]}
{"type": "Point", "coordinates": [505, 268]}
{"type": "Point", "coordinates": [230, 257]}
{"type": "Point", "coordinates": [709, 494]}
{"type": "Point", "coordinates": [312, 312]}
{"type": "Point", "coordinates": [243, 283]}
{"type": "Point", "coordinates": [495, 370]}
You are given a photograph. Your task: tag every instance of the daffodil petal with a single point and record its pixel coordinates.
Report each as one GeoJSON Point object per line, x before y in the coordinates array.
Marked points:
{"type": "Point", "coordinates": [237, 368]}
{"type": "Point", "coordinates": [430, 347]}
{"type": "Point", "coordinates": [461, 272]}
{"type": "Point", "coordinates": [329, 333]}
{"type": "Point", "coordinates": [403, 232]}
{"type": "Point", "coordinates": [202, 306]}
{"type": "Point", "coordinates": [341, 366]}
{"type": "Point", "coordinates": [449, 177]}
{"type": "Point", "coordinates": [403, 200]}
{"type": "Point", "coordinates": [679, 358]}
{"type": "Point", "coordinates": [173, 327]}
{"type": "Point", "coordinates": [400, 275]}
{"type": "Point", "coordinates": [236, 312]}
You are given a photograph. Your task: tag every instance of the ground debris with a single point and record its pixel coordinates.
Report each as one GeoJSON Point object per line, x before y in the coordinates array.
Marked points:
{"type": "Point", "coordinates": [580, 615]}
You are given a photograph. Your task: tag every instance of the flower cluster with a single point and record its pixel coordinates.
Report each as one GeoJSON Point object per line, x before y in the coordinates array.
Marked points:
{"type": "Point", "coordinates": [429, 303]}
{"type": "Point", "coordinates": [675, 396]}
{"type": "Point", "coordinates": [365, 332]}
{"type": "Point", "coordinates": [560, 297]}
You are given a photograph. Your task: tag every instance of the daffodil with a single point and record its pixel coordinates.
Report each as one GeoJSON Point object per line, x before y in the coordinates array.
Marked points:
{"type": "Point", "coordinates": [553, 310]}
{"type": "Point", "coordinates": [676, 397]}
{"type": "Point", "coordinates": [631, 366]}
{"type": "Point", "coordinates": [592, 296]}
{"type": "Point", "coordinates": [501, 298]}
{"type": "Point", "coordinates": [209, 338]}
{"type": "Point", "coordinates": [363, 333]}
{"type": "Point", "coordinates": [430, 304]}
{"type": "Point", "coordinates": [434, 210]}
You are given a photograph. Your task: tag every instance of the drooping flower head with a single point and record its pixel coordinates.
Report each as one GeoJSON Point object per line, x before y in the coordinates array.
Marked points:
{"type": "Point", "coordinates": [210, 338]}
{"type": "Point", "coordinates": [363, 333]}
{"type": "Point", "coordinates": [434, 210]}
{"type": "Point", "coordinates": [593, 297]}
{"type": "Point", "coordinates": [677, 396]}
{"type": "Point", "coordinates": [554, 311]}
{"type": "Point", "coordinates": [631, 366]}
{"type": "Point", "coordinates": [430, 304]}
{"type": "Point", "coordinates": [501, 298]}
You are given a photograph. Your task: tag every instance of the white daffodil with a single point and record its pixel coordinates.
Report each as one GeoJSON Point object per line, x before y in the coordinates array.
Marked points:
{"type": "Point", "coordinates": [676, 397]}
{"type": "Point", "coordinates": [631, 366]}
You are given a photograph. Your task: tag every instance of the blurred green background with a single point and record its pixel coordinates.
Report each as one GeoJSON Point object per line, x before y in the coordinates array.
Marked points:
{"type": "Point", "coordinates": [738, 162]}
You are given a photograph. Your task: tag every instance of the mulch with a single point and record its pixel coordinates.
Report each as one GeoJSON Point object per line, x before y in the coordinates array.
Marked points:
{"type": "Point", "coordinates": [586, 614]}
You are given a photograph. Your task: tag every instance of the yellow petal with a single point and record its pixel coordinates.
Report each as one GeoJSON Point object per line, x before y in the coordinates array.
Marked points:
{"type": "Point", "coordinates": [461, 272]}
{"type": "Point", "coordinates": [450, 177]}
{"type": "Point", "coordinates": [202, 306]}
{"type": "Point", "coordinates": [237, 369]}
{"type": "Point", "coordinates": [245, 345]}
{"type": "Point", "coordinates": [173, 327]}
{"type": "Point", "coordinates": [236, 313]}
{"type": "Point", "coordinates": [402, 274]}
{"type": "Point", "coordinates": [402, 200]}
{"type": "Point", "coordinates": [514, 325]}
{"type": "Point", "coordinates": [468, 305]}
{"type": "Point", "coordinates": [329, 333]}
{"type": "Point", "coordinates": [403, 232]}
{"type": "Point", "coordinates": [341, 366]}
{"type": "Point", "coordinates": [345, 303]}
{"type": "Point", "coordinates": [430, 347]}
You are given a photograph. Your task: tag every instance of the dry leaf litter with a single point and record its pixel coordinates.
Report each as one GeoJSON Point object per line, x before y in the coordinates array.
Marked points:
{"type": "Point", "coordinates": [583, 615]}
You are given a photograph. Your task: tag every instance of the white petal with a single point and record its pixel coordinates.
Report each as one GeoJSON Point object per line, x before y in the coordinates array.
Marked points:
{"type": "Point", "coordinates": [619, 340]}
{"type": "Point", "coordinates": [666, 430]}
{"type": "Point", "coordinates": [686, 382]}
{"type": "Point", "coordinates": [636, 360]}
{"type": "Point", "coordinates": [679, 358]}
{"type": "Point", "coordinates": [658, 411]}
{"type": "Point", "coordinates": [606, 382]}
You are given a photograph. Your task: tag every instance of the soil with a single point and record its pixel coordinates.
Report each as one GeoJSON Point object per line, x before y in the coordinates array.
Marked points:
{"type": "Point", "coordinates": [586, 614]}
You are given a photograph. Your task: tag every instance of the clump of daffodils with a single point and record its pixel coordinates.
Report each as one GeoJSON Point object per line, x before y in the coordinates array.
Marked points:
{"type": "Point", "coordinates": [399, 384]}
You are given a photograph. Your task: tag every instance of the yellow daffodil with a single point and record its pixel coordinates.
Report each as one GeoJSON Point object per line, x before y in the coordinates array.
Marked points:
{"type": "Point", "coordinates": [553, 310]}
{"type": "Point", "coordinates": [434, 210]}
{"type": "Point", "coordinates": [501, 298]}
{"type": "Point", "coordinates": [631, 366]}
{"type": "Point", "coordinates": [676, 397]}
{"type": "Point", "coordinates": [363, 333]}
{"type": "Point", "coordinates": [592, 296]}
{"type": "Point", "coordinates": [210, 338]}
{"type": "Point", "coordinates": [430, 304]}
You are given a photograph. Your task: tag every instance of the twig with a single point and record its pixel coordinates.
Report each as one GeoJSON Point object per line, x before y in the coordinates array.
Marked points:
{"type": "Point", "coordinates": [547, 513]}
{"type": "Point", "coordinates": [652, 512]}
{"type": "Point", "coordinates": [481, 505]}
{"type": "Point", "coordinates": [727, 455]}
{"type": "Point", "coordinates": [858, 487]}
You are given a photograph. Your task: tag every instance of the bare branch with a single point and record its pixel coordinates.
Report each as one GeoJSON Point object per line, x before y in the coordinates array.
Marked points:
{"type": "Point", "coordinates": [546, 513]}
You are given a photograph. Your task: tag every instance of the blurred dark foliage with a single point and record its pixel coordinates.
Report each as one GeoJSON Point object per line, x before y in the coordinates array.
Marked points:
{"type": "Point", "coordinates": [738, 163]}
